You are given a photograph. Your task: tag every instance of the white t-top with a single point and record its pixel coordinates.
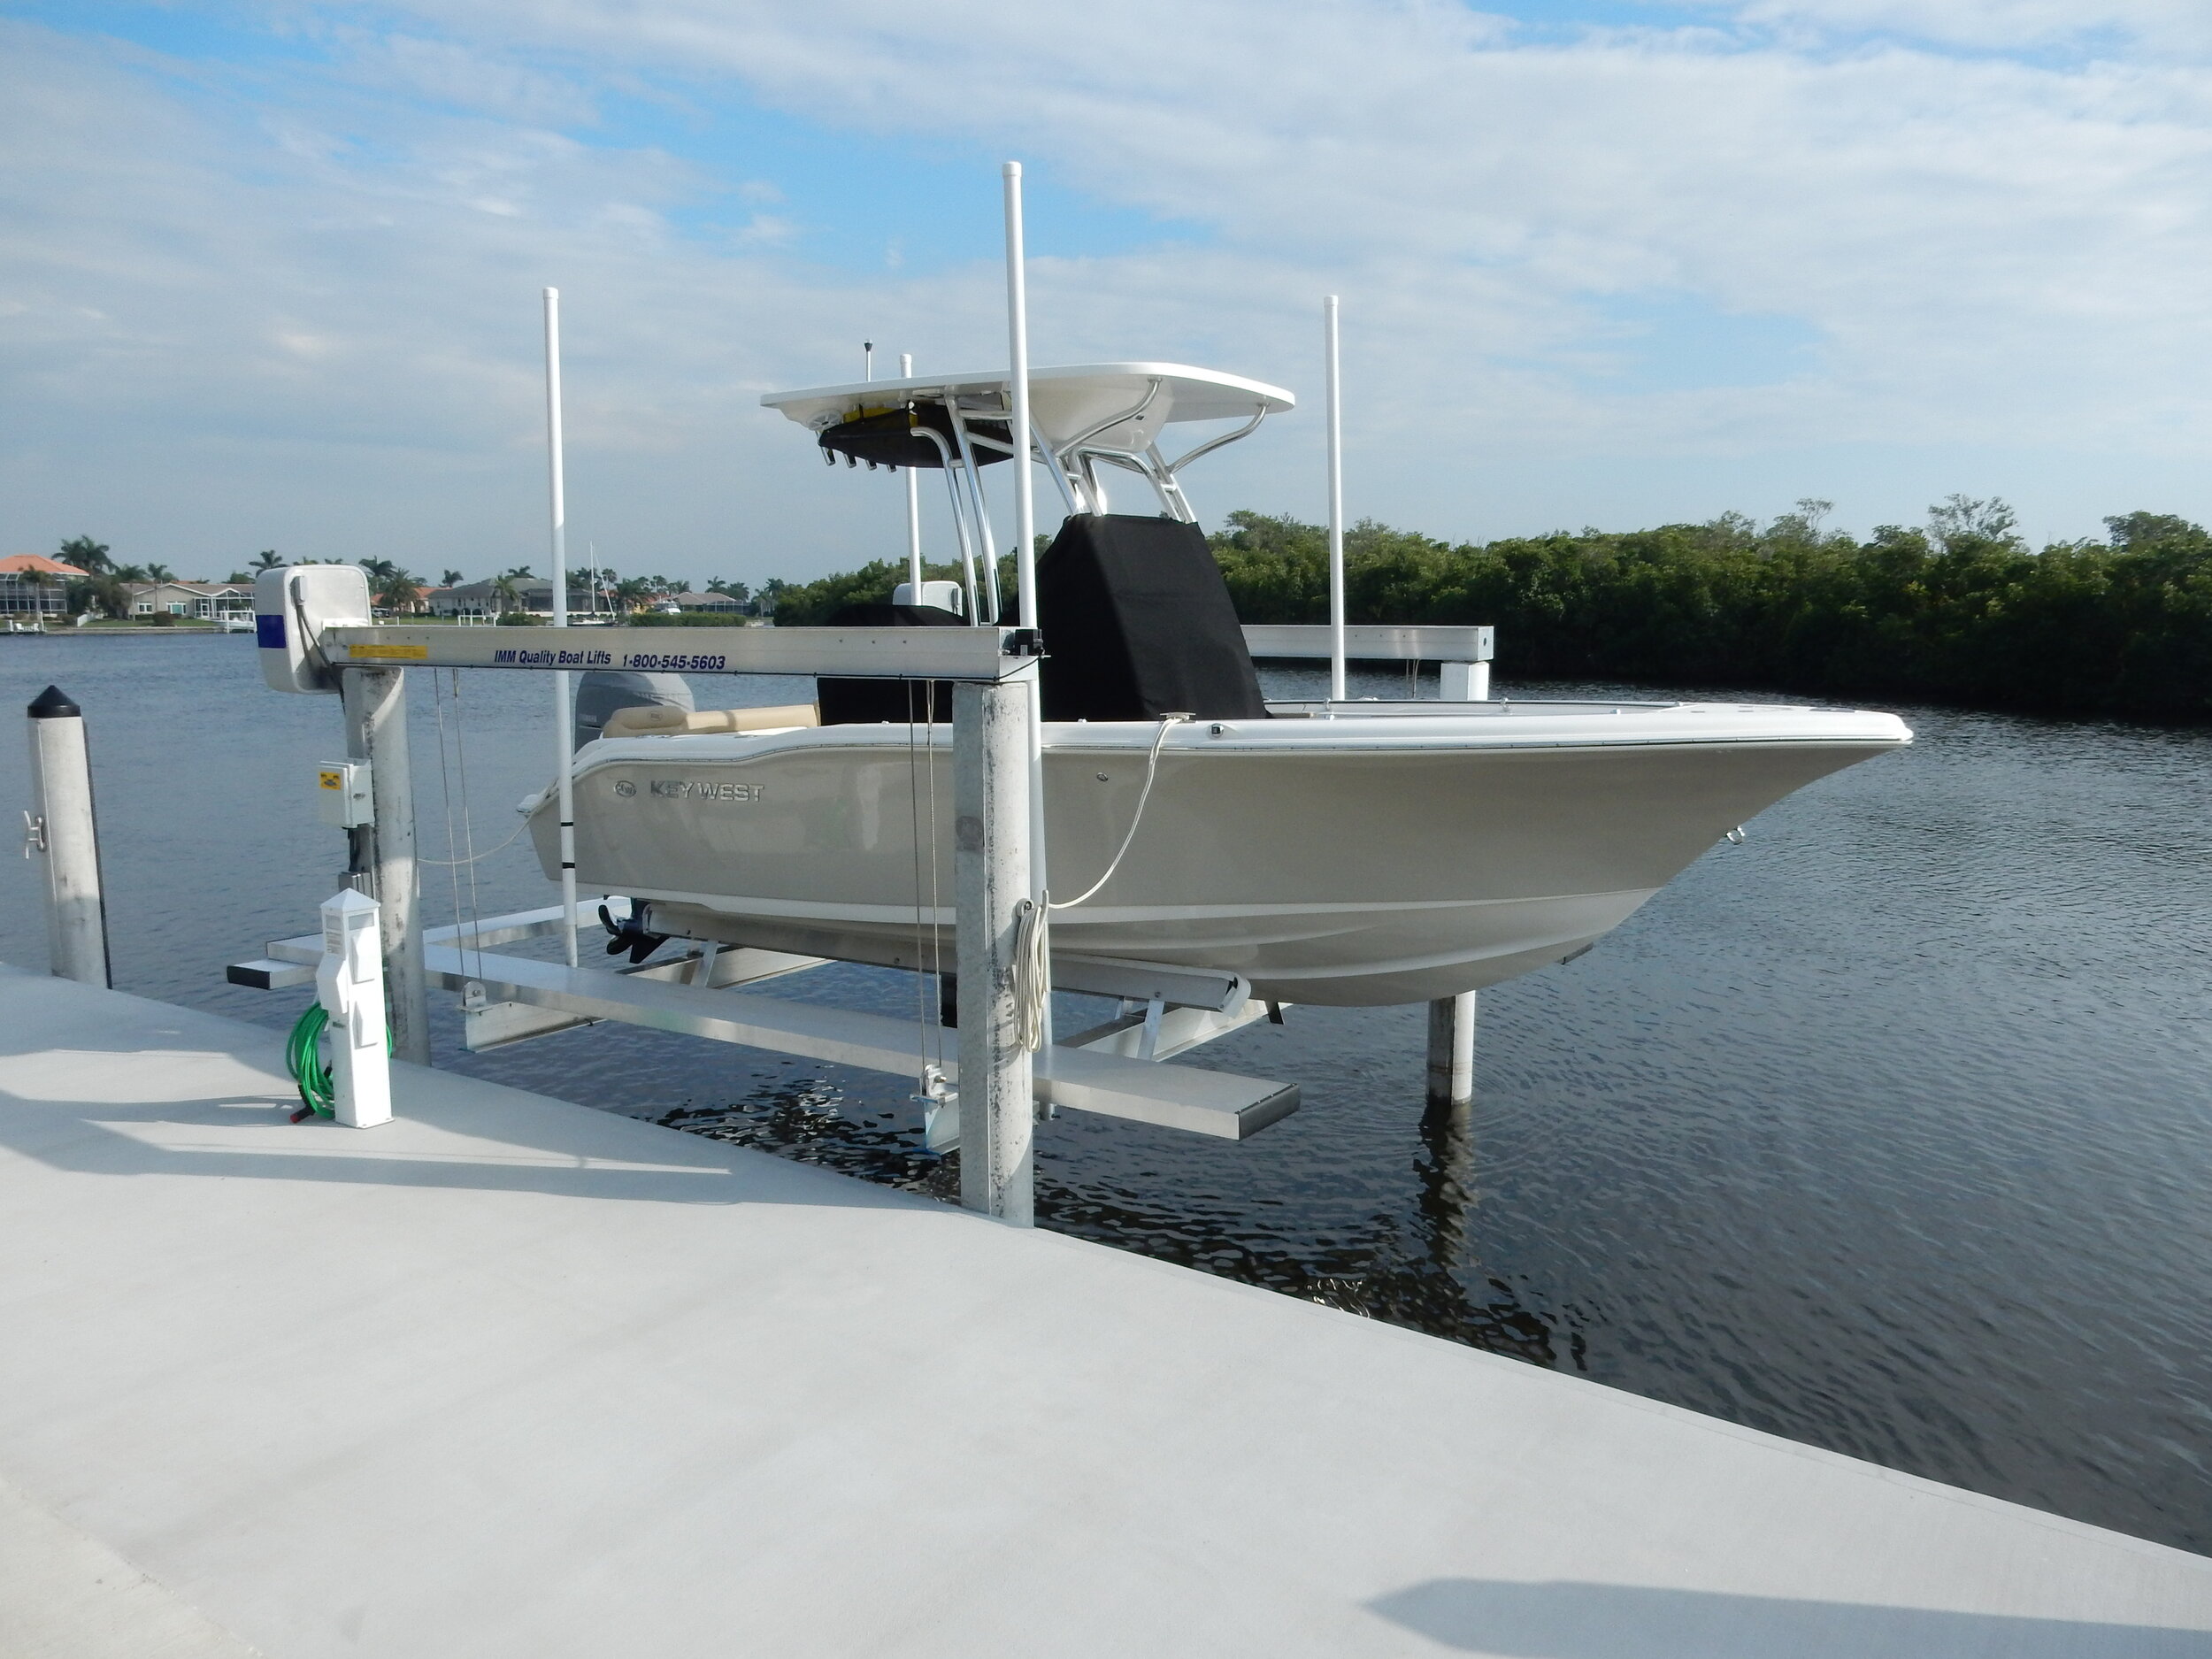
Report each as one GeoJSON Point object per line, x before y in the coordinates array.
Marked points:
{"type": "Point", "coordinates": [1066, 401]}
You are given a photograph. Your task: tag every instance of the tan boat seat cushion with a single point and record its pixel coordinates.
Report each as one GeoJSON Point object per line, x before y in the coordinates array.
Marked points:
{"type": "Point", "coordinates": [667, 722]}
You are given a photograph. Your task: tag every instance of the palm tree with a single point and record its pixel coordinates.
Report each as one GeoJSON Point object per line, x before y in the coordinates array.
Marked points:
{"type": "Point", "coordinates": [395, 589]}
{"type": "Point", "coordinates": [503, 592]}
{"type": "Point", "coordinates": [451, 579]}
{"type": "Point", "coordinates": [267, 559]}
{"type": "Point", "coordinates": [160, 573]}
{"type": "Point", "coordinates": [87, 555]}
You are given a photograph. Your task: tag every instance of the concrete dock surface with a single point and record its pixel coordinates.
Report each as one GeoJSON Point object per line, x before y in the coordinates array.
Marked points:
{"type": "Point", "coordinates": [512, 1377]}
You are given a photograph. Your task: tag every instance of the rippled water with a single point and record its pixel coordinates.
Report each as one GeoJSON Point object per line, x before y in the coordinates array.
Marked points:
{"type": "Point", "coordinates": [1886, 1131]}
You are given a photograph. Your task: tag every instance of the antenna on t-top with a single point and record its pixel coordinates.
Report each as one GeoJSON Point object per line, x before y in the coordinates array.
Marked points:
{"type": "Point", "coordinates": [868, 359]}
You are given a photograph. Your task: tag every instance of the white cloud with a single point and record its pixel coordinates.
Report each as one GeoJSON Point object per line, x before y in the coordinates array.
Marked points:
{"type": "Point", "coordinates": [234, 312]}
{"type": "Point", "coordinates": [2003, 26]}
{"type": "Point", "coordinates": [446, 74]}
{"type": "Point", "coordinates": [1966, 234]}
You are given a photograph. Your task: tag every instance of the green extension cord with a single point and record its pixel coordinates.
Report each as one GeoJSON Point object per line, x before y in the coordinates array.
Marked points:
{"type": "Point", "coordinates": [303, 1058]}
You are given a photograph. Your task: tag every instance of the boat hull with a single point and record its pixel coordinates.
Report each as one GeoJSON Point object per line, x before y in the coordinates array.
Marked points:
{"type": "Point", "coordinates": [1345, 861]}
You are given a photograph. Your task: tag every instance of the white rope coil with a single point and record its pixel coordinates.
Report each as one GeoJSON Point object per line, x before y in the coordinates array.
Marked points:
{"type": "Point", "coordinates": [1032, 974]}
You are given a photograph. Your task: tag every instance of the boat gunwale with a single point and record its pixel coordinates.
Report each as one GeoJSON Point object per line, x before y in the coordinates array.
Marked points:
{"type": "Point", "coordinates": [1377, 736]}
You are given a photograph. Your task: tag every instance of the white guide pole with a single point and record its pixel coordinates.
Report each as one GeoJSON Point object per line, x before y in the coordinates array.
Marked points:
{"type": "Point", "coordinates": [564, 739]}
{"type": "Point", "coordinates": [349, 984]}
{"type": "Point", "coordinates": [991, 767]}
{"type": "Point", "coordinates": [1020, 428]}
{"type": "Point", "coordinates": [62, 835]}
{"type": "Point", "coordinates": [1017, 345]}
{"type": "Point", "coordinates": [1336, 504]}
{"type": "Point", "coordinates": [913, 507]}
{"type": "Point", "coordinates": [1463, 682]}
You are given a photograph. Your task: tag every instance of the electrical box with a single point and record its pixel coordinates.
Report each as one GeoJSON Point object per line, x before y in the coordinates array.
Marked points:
{"type": "Point", "coordinates": [292, 606]}
{"type": "Point", "coordinates": [343, 798]}
{"type": "Point", "coordinates": [350, 985]}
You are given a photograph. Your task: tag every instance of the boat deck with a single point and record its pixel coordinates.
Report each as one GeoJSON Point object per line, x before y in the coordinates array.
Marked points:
{"type": "Point", "coordinates": [513, 1377]}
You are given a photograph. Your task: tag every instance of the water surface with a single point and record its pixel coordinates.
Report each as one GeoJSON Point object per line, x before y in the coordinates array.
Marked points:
{"type": "Point", "coordinates": [1886, 1131]}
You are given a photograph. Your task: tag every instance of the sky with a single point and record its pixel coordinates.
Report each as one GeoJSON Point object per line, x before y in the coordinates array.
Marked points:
{"type": "Point", "coordinates": [270, 270]}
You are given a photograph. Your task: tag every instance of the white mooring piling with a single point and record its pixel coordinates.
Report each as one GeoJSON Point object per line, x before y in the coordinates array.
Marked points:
{"type": "Point", "coordinates": [59, 831]}
{"type": "Point", "coordinates": [375, 703]}
{"type": "Point", "coordinates": [991, 886]}
{"type": "Point", "coordinates": [1452, 1050]}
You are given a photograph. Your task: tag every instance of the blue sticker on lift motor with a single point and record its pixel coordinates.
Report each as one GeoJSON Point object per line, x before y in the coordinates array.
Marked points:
{"type": "Point", "coordinates": [268, 632]}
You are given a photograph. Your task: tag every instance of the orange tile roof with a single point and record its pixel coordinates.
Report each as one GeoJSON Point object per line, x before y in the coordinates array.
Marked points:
{"type": "Point", "coordinates": [25, 563]}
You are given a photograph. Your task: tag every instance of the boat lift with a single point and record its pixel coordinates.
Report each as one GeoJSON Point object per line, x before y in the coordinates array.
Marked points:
{"type": "Point", "coordinates": [1118, 1069]}
{"type": "Point", "coordinates": [315, 636]}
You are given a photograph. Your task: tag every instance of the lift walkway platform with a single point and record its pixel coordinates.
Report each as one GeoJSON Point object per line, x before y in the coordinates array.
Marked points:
{"type": "Point", "coordinates": [512, 1377]}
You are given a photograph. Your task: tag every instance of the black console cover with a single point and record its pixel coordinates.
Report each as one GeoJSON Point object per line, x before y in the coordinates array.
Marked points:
{"type": "Point", "coordinates": [1138, 623]}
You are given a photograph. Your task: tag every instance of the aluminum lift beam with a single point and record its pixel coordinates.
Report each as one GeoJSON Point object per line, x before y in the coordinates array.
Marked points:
{"type": "Point", "coordinates": [1372, 641]}
{"type": "Point", "coordinates": [1099, 1081]}
{"type": "Point", "coordinates": [984, 655]}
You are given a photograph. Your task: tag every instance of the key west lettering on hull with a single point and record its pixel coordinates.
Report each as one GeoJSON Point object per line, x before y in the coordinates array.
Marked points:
{"type": "Point", "coordinates": [684, 789]}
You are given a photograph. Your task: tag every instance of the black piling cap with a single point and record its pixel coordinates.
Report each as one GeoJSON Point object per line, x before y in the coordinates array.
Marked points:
{"type": "Point", "coordinates": [53, 704]}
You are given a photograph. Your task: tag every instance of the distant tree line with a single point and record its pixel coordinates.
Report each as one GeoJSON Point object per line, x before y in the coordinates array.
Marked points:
{"type": "Point", "coordinates": [1958, 610]}
{"type": "Point", "coordinates": [1961, 610]}
{"type": "Point", "coordinates": [103, 590]}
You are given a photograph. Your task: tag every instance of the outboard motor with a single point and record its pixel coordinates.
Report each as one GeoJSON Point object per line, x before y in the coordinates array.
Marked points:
{"type": "Point", "coordinates": [604, 692]}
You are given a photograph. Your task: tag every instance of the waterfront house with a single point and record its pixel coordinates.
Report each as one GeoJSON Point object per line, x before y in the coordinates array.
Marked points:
{"type": "Point", "coordinates": [197, 600]}
{"type": "Point", "coordinates": [483, 599]}
{"type": "Point", "coordinates": [35, 585]}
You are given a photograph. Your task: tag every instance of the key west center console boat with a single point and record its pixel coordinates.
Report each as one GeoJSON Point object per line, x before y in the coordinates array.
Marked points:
{"type": "Point", "coordinates": [1327, 852]}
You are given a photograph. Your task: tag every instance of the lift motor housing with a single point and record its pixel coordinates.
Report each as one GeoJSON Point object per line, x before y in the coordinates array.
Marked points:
{"type": "Point", "coordinates": [292, 606]}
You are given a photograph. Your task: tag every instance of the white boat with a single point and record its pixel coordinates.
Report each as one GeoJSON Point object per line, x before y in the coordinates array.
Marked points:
{"type": "Point", "coordinates": [1349, 853]}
